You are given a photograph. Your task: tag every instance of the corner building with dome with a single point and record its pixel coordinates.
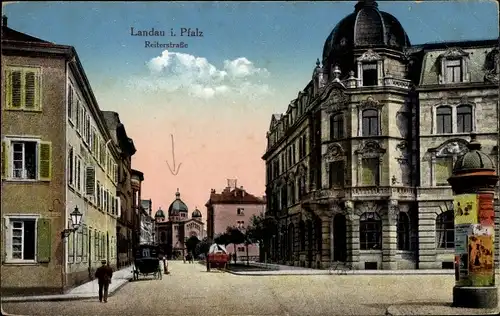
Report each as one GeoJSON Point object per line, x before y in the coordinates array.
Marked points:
{"type": "Point", "coordinates": [357, 166]}
{"type": "Point", "coordinates": [174, 228]}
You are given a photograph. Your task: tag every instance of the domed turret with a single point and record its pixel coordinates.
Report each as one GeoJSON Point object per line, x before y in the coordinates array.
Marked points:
{"type": "Point", "coordinates": [367, 27]}
{"type": "Point", "coordinates": [160, 215]}
{"type": "Point", "coordinates": [177, 206]}
{"type": "Point", "coordinates": [196, 213]}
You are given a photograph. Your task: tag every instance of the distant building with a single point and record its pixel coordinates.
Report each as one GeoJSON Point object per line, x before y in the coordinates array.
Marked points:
{"type": "Point", "coordinates": [173, 231]}
{"type": "Point", "coordinates": [146, 222]}
{"type": "Point", "coordinates": [124, 227]}
{"type": "Point", "coordinates": [233, 207]}
{"type": "Point", "coordinates": [137, 177]}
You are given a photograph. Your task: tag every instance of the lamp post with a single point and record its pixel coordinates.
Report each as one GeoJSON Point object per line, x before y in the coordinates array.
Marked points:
{"type": "Point", "coordinates": [76, 218]}
{"type": "Point", "coordinates": [473, 182]}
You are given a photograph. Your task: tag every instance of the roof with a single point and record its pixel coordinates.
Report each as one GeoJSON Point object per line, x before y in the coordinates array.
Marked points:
{"type": "Point", "coordinates": [13, 35]}
{"type": "Point", "coordinates": [234, 196]}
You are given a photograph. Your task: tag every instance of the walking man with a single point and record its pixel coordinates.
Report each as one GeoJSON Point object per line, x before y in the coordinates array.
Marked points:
{"type": "Point", "coordinates": [104, 274]}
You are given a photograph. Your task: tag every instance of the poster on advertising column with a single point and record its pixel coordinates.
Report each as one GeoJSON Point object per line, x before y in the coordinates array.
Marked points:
{"type": "Point", "coordinates": [462, 233]}
{"type": "Point", "coordinates": [486, 212]}
{"type": "Point", "coordinates": [465, 207]}
{"type": "Point", "coordinates": [481, 264]}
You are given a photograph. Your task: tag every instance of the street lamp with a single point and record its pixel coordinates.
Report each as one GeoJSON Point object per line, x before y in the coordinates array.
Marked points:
{"type": "Point", "coordinates": [76, 218]}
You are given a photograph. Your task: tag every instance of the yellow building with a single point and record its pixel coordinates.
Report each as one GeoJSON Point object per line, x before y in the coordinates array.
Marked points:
{"type": "Point", "coordinates": [56, 156]}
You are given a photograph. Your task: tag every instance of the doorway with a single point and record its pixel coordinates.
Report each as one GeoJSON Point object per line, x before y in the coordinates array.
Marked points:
{"type": "Point", "coordinates": [339, 238]}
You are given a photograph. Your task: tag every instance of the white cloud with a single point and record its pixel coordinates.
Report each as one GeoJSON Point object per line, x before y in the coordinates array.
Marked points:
{"type": "Point", "coordinates": [196, 76]}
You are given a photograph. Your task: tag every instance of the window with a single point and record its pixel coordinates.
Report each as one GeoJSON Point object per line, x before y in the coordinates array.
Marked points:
{"type": "Point", "coordinates": [240, 224]}
{"type": "Point", "coordinates": [370, 122]}
{"type": "Point", "coordinates": [302, 146]}
{"type": "Point", "coordinates": [240, 212]}
{"type": "Point", "coordinates": [98, 187]}
{"type": "Point", "coordinates": [78, 177]}
{"type": "Point", "coordinates": [78, 116]}
{"type": "Point", "coordinates": [94, 145]}
{"type": "Point", "coordinates": [443, 119]}
{"type": "Point", "coordinates": [22, 238]}
{"type": "Point", "coordinates": [293, 154]}
{"type": "Point", "coordinates": [370, 171]}
{"type": "Point", "coordinates": [302, 186]}
{"type": "Point", "coordinates": [370, 231]}
{"type": "Point", "coordinates": [443, 169]}
{"type": "Point", "coordinates": [90, 181]}
{"type": "Point", "coordinates": [445, 230]}
{"type": "Point", "coordinates": [23, 89]}
{"type": "Point", "coordinates": [24, 159]}
{"type": "Point", "coordinates": [336, 126]}
{"type": "Point", "coordinates": [403, 231]}
{"type": "Point", "coordinates": [240, 249]}
{"type": "Point", "coordinates": [336, 174]}
{"type": "Point", "coordinates": [454, 70]}
{"type": "Point", "coordinates": [284, 197]}
{"type": "Point", "coordinates": [70, 103]}
{"type": "Point", "coordinates": [464, 119]}
{"type": "Point", "coordinates": [81, 129]}
{"type": "Point", "coordinates": [71, 171]}
{"type": "Point", "coordinates": [292, 192]}
{"type": "Point", "coordinates": [370, 77]}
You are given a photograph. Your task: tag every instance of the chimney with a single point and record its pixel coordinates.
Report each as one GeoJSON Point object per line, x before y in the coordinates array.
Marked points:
{"type": "Point", "coordinates": [4, 20]}
{"type": "Point", "coordinates": [231, 183]}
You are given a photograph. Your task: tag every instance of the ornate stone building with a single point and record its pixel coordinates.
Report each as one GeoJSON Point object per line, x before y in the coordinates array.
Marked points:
{"type": "Point", "coordinates": [173, 231]}
{"type": "Point", "coordinates": [357, 167]}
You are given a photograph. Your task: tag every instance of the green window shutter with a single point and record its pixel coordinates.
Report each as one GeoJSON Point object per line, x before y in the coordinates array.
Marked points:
{"type": "Point", "coordinates": [90, 180]}
{"type": "Point", "coordinates": [8, 89]}
{"type": "Point", "coordinates": [30, 91]}
{"type": "Point", "coordinates": [45, 161]}
{"type": "Point", "coordinates": [4, 235]}
{"type": "Point", "coordinates": [44, 240]}
{"type": "Point", "coordinates": [16, 88]}
{"type": "Point", "coordinates": [4, 160]}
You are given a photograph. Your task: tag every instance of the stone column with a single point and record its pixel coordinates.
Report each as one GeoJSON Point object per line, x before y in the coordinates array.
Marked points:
{"type": "Point", "coordinates": [473, 183]}
{"type": "Point", "coordinates": [389, 236]}
{"type": "Point", "coordinates": [326, 254]}
{"type": "Point", "coordinates": [352, 235]}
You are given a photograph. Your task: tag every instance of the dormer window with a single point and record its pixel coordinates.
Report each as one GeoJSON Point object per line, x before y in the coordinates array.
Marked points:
{"type": "Point", "coordinates": [454, 71]}
{"type": "Point", "coordinates": [370, 77]}
{"type": "Point", "coordinates": [370, 66]}
{"type": "Point", "coordinates": [454, 66]}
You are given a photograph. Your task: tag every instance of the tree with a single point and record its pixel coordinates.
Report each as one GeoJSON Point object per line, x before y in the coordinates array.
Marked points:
{"type": "Point", "coordinates": [262, 229]}
{"type": "Point", "coordinates": [203, 247]}
{"type": "Point", "coordinates": [222, 239]}
{"type": "Point", "coordinates": [191, 244]}
{"type": "Point", "coordinates": [236, 237]}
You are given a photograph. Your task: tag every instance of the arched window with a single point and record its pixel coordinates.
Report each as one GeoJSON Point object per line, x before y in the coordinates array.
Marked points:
{"type": "Point", "coordinates": [443, 119]}
{"type": "Point", "coordinates": [464, 119]}
{"type": "Point", "coordinates": [291, 241]}
{"type": "Point", "coordinates": [336, 126]}
{"type": "Point", "coordinates": [370, 122]}
{"type": "Point", "coordinates": [292, 192]}
{"type": "Point", "coordinates": [302, 186]}
{"type": "Point", "coordinates": [302, 233]}
{"type": "Point", "coordinates": [403, 230]}
{"type": "Point", "coordinates": [445, 230]}
{"type": "Point", "coordinates": [284, 197]}
{"type": "Point", "coordinates": [370, 231]}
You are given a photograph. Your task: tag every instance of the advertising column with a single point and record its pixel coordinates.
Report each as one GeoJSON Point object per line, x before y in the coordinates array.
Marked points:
{"type": "Point", "coordinates": [474, 240]}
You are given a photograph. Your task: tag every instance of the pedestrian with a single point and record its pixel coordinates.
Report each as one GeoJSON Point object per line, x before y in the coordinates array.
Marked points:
{"type": "Point", "coordinates": [104, 274]}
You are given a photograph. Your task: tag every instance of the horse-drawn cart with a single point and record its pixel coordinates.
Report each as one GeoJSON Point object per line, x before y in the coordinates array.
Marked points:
{"type": "Point", "coordinates": [147, 262]}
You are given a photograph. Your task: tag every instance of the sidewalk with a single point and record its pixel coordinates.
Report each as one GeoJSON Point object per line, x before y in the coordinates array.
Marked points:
{"type": "Point", "coordinates": [84, 291]}
{"type": "Point", "coordinates": [279, 269]}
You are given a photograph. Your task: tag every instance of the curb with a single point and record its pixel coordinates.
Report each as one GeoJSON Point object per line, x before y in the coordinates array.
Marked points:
{"type": "Point", "coordinates": [331, 273]}
{"type": "Point", "coordinates": [62, 297]}
{"type": "Point", "coordinates": [445, 310]}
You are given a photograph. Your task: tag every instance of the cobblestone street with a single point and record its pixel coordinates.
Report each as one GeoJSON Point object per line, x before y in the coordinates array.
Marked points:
{"type": "Point", "coordinates": [189, 290]}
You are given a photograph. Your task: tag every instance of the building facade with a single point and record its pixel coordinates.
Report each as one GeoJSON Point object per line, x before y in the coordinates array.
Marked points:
{"type": "Point", "coordinates": [233, 207]}
{"type": "Point", "coordinates": [136, 180]}
{"type": "Point", "coordinates": [146, 222]}
{"type": "Point", "coordinates": [357, 167]}
{"type": "Point", "coordinates": [124, 227]}
{"type": "Point", "coordinates": [57, 151]}
{"type": "Point", "coordinates": [173, 231]}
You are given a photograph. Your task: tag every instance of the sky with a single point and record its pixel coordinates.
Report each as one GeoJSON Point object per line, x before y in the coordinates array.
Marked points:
{"type": "Point", "coordinates": [215, 96]}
